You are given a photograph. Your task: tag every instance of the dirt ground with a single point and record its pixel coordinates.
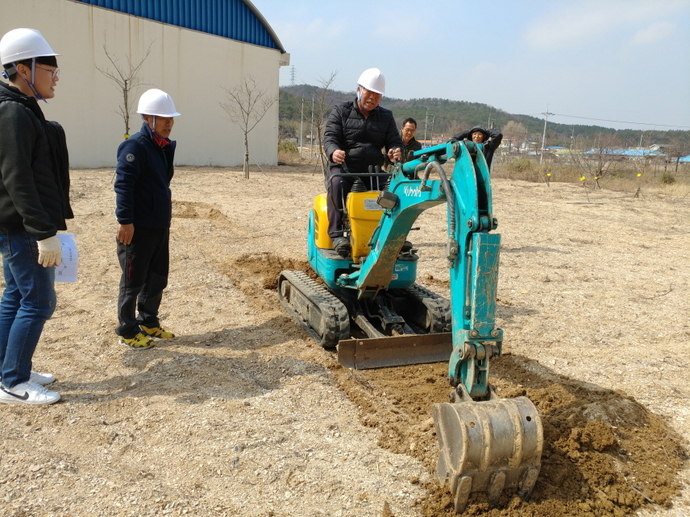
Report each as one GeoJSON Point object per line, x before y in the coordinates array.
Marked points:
{"type": "Point", "coordinates": [243, 414]}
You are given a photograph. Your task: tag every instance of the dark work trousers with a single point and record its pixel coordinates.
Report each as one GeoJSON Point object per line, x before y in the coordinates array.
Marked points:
{"type": "Point", "coordinates": [340, 187]}
{"type": "Point", "coordinates": [145, 264]}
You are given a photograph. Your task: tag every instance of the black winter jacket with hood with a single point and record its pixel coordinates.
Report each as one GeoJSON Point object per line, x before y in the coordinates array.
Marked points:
{"type": "Point", "coordinates": [34, 168]}
{"type": "Point", "coordinates": [492, 139]}
{"type": "Point", "coordinates": [362, 138]}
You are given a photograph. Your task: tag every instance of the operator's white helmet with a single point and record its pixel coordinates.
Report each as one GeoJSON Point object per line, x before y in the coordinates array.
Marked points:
{"type": "Point", "coordinates": [372, 79]}
{"type": "Point", "coordinates": [20, 44]}
{"type": "Point", "coordinates": [157, 102]}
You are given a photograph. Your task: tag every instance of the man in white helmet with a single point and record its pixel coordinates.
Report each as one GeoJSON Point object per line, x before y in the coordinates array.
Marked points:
{"type": "Point", "coordinates": [144, 211]}
{"type": "Point", "coordinates": [34, 205]}
{"type": "Point", "coordinates": [355, 133]}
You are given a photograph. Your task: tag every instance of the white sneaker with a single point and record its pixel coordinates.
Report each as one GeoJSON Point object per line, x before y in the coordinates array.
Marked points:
{"type": "Point", "coordinates": [28, 393]}
{"type": "Point", "coordinates": [42, 378]}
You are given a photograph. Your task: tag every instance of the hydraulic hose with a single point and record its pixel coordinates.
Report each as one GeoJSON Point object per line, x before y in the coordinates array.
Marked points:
{"type": "Point", "coordinates": [446, 189]}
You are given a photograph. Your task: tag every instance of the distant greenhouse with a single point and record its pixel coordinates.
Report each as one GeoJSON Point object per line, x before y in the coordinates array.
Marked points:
{"type": "Point", "coordinates": [628, 153]}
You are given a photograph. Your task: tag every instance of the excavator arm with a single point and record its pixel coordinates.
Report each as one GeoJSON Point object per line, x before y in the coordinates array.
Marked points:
{"type": "Point", "coordinates": [472, 251]}
{"type": "Point", "coordinates": [487, 444]}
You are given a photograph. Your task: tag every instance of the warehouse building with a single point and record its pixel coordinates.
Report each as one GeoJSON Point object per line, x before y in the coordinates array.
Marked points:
{"type": "Point", "coordinates": [197, 51]}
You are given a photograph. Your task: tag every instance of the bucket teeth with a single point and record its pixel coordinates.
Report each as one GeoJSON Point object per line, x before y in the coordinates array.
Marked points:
{"type": "Point", "coordinates": [527, 483]}
{"type": "Point", "coordinates": [498, 482]}
{"type": "Point", "coordinates": [462, 493]}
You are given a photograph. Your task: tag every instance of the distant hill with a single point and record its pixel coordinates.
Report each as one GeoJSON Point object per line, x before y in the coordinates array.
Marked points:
{"type": "Point", "coordinates": [446, 117]}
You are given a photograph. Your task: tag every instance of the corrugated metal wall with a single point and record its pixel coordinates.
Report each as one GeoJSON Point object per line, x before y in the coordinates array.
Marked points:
{"type": "Point", "coordinates": [227, 18]}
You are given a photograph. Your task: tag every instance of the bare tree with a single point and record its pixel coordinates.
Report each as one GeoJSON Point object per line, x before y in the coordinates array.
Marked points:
{"type": "Point", "coordinates": [679, 147]}
{"type": "Point", "coordinates": [515, 132]}
{"type": "Point", "coordinates": [322, 107]}
{"type": "Point", "coordinates": [598, 162]}
{"type": "Point", "coordinates": [126, 79]}
{"type": "Point", "coordinates": [247, 104]}
{"type": "Point", "coordinates": [456, 126]}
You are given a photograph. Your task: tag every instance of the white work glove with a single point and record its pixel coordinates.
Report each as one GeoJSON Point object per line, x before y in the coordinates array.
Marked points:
{"type": "Point", "coordinates": [49, 251]}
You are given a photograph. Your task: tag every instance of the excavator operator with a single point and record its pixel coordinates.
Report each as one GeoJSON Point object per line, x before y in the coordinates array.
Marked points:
{"type": "Point", "coordinates": [355, 134]}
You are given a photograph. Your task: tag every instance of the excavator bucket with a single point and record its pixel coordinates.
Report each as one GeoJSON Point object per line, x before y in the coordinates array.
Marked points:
{"type": "Point", "coordinates": [383, 352]}
{"type": "Point", "coordinates": [488, 446]}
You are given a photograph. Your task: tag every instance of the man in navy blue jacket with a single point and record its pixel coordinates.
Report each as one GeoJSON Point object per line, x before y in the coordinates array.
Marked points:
{"type": "Point", "coordinates": [144, 211]}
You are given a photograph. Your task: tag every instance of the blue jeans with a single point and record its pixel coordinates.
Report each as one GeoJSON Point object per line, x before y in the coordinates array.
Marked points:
{"type": "Point", "coordinates": [27, 303]}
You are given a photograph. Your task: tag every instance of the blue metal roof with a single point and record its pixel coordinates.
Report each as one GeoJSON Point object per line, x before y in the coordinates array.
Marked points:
{"type": "Point", "coordinates": [636, 153]}
{"type": "Point", "coordinates": [233, 19]}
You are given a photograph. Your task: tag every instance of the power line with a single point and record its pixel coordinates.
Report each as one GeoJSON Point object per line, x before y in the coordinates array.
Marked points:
{"type": "Point", "coordinates": [619, 121]}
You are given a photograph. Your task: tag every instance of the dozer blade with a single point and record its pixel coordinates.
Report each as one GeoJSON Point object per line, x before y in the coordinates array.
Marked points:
{"type": "Point", "coordinates": [488, 446]}
{"type": "Point", "coordinates": [382, 352]}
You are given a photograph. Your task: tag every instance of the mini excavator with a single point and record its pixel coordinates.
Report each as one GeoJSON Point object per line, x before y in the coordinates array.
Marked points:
{"type": "Point", "coordinates": [369, 307]}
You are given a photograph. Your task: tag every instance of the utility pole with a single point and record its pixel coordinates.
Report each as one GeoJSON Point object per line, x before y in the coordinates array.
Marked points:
{"type": "Point", "coordinates": [543, 136]}
{"type": "Point", "coordinates": [311, 133]}
{"type": "Point", "coordinates": [301, 128]}
{"type": "Point", "coordinates": [426, 117]}
{"type": "Point", "coordinates": [431, 134]}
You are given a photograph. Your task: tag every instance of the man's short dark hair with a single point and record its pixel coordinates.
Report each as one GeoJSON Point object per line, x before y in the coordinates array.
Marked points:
{"type": "Point", "coordinates": [409, 119]}
{"type": "Point", "coordinates": [42, 60]}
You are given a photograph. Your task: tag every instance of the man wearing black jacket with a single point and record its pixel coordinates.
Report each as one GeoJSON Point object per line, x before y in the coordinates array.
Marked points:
{"type": "Point", "coordinates": [355, 133]}
{"type": "Point", "coordinates": [34, 204]}
{"type": "Point", "coordinates": [407, 132]}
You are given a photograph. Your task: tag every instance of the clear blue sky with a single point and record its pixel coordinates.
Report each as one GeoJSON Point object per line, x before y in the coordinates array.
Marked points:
{"type": "Point", "coordinates": [613, 60]}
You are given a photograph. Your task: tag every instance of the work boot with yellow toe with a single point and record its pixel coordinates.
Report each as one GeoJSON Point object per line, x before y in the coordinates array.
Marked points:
{"type": "Point", "coordinates": [157, 332]}
{"type": "Point", "coordinates": [138, 341]}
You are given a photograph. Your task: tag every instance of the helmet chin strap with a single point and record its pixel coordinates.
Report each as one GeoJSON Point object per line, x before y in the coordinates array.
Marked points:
{"type": "Point", "coordinates": [153, 123]}
{"type": "Point", "coordinates": [30, 83]}
{"type": "Point", "coordinates": [33, 80]}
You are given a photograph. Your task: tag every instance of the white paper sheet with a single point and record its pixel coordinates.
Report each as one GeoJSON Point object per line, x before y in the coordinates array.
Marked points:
{"type": "Point", "coordinates": [67, 270]}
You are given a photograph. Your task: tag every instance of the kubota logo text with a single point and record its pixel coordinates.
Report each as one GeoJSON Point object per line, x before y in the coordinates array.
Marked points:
{"type": "Point", "coordinates": [412, 192]}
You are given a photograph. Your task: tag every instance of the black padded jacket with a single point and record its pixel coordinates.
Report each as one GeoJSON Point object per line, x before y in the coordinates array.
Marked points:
{"type": "Point", "coordinates": [34, 168]}
{"type": "Point", "coordinates": [362, 138]}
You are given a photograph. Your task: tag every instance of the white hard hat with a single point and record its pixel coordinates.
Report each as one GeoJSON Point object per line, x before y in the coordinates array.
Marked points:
{"type": "Point", "coordinates": [157, 102]}
{"type": "Point", "coordinates": [372, 79]}
{"type": "Point", "coordinates": [20, 44]}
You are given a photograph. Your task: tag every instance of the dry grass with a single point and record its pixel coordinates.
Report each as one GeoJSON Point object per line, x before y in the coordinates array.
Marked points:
{"type": "Point", "coordinates": [625, 176]}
